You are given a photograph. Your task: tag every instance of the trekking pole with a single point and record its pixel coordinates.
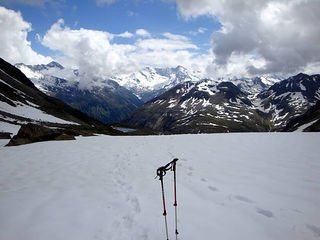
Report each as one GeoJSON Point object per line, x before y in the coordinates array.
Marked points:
{"type": "Point", "coordinates": [161, 172]}
{"type": "Point", "coordinates": [175, 204]}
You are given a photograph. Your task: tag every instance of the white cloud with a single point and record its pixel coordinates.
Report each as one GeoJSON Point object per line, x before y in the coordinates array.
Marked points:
{"type": "Point", "coordinates": [171, 42]}
{"type": "Point", "coordinates": [132, 14]}
{"type": "Point", "coordinates": [14, 45]}
{"type": "Point", "coordinates": [200, 30]}
{"type": "Point", "coordinates": [176, 37]}
{"type": "Point", "coordinates": [38, 37]}
{"type": "Point", "coordinates": [89, 50]}
{"type": "Point", "coordinates": [143, 32]}
{"type": "Point", "coordinates": [285, 34]}
{"type": "Point", "coordinates": [96, 52]}
{"type": "Point", "coordinates": [125, 35]}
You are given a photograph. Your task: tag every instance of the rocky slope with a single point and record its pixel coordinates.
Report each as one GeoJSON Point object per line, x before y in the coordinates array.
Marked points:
{"type": "Point", "coordinates": [205, 106]}
{"type": "Point", "coordinates": [289, 98]}
{"type": "Point", "coordinates": [212, 106]}
{"type": "Point", "coordinates": [22, 103]}
{"type": "Point", "coordinates": [104, 100]}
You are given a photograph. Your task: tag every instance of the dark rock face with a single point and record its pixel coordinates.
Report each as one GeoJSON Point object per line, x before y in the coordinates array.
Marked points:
{"type": "Point", "coordinates": [16, 87]}
{"type": "Point", "coordinates": [104, 100]}
{"type": "Point", "coordinates": [31, 133]}
{"type": "Point", "coordinates": [5, 135]}
{"type": "Point", "coordinates": [290, 98]}
{"type": "Point", "coordinates": [212, 106]}
{"type": "Point", "coordinates": [64, 136]}
{"type": "Point", "coordinates": [109, 104]}
{"type": "Point", "coordinates": [203, 107]}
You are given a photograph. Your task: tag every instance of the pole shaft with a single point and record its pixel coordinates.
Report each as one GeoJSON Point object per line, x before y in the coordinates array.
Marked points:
{"type": "Point", "coordinates": [164, 207]}
{"type": "Point", "coordinates": [175, 198]}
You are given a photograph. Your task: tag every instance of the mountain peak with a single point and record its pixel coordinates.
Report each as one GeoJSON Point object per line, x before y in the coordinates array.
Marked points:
{"type": "Point", "coordinates": [54, 64]}
{"type": "Point", "coordinates": [180, 68]}
{"type": "Point", "coordinates": [300, 76]}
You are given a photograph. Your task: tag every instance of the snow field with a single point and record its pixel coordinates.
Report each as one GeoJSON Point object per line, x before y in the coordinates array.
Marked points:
{"type": "Point", "coordinates": [31, 112]}
{"type": "Point", "coordinates": [230, 186]}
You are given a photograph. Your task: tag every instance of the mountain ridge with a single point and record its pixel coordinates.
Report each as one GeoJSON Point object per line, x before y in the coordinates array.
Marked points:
{"type": "Point", "coordinates": [224, 107]}
{"type": "Point", "coordinates": [104, 100]}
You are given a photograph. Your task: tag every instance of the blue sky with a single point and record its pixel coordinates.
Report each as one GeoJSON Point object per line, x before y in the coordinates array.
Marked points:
{"type": "Point", "coordinates": [156, 17]}
{"type": "Point", "coordinates": [111, 37]}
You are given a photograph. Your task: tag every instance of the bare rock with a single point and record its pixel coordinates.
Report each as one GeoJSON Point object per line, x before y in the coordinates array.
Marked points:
{"type": "Point", "coordinates": [5, 135]}
{"type": "Point", "coordinates": [64, 136]}
{"type": "Point", "coordinates": [31, 133]}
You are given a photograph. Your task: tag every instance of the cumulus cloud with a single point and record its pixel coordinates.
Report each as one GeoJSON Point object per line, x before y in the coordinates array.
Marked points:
{"type": "Point", "coordinates": [126, 34]}
{"type": "Point", "coordinates": [98, 54]}
{"type": "Point", "coordinates": [176, 37]}
{"type": "Point", "coordinates": [174, 42]}
{"type": "Point", "coordinates": [88, 49]}
{"type": "Point", "coordinates": [14, 45]}
{"type": "Point", "coordinates": [281, 33]}
{"type": "Point", "coordinates": [143, 32]}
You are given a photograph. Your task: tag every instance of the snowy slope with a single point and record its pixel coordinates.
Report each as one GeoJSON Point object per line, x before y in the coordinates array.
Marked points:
{"type": "Point", "coordinates": [230, 186]}
{"type": "Point", "coordinates": [206, 106]}
{"type": "Point", "coordinates": [253, 86]}
{"type": "Point", "coordinates": [289, 98]}
{"type": "Point", "coordinates": [21, 103]}
{"type": "Point", "coordinates": [151, 82]}
{"type": "Point", "coordinates": [102, 99]}
{"type": "Point", "coordinates": [30, 111]}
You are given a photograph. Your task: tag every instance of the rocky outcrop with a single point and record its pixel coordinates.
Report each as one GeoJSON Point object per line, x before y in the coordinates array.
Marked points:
{"type": "Point", "coordinates": [31, 133]}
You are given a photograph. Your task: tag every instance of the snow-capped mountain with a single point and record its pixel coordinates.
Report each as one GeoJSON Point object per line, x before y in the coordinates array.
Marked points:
{"type": "Point", "coordinates": [213, 106]}
{"type": "Point", "coordinates": [204, 106]}
{"type": "Point", "coordinates": [151, 82]}
{"type": "Point", "coordinates": [309, 121]}
{"type": "Point", "coordinates": [289, 98]}
{"type": "Point", "coordinates": [21, 103]}
{"type": "Point", "coordinates": [102, 99]}
{"type": "Point", "coordinates": [253, 86]}
{"type": "Point", "coordinates": [270, 102]}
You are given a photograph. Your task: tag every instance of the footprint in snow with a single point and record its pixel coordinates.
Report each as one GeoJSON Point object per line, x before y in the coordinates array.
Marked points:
{"type": "Point", "coordinates": [265, 213]}
{"type": "Point", "coordinates": [127, 221]}
{"type": "Point", "coordinates": [213, 189]}
{"type": "Point", "coordinates": [136, 205]}
{"type": "Point", "coordinates": [240, 198]}
{"type": "Point", "coordinates": [243, 199]}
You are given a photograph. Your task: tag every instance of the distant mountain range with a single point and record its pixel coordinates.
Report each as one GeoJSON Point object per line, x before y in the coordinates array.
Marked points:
{"type": "Point", "coordinates": [211, 106]}
{"type": "Point", "coordinates": [31, 115]}
{"type": "Point", "coordinates": [204, 106]}
{"type": "Point", "coordinates": [177, 100]}
{"type": "Point", "coordinates": [151, 82]}
{"type": "Point", "coordinates": [104, 100]}
{"type": "Point", "coordinates": [22, 103]}
{"type": "Point", "coordinates": [289, 98]}
{"type": "Point", "coordinates": [114, 99]}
